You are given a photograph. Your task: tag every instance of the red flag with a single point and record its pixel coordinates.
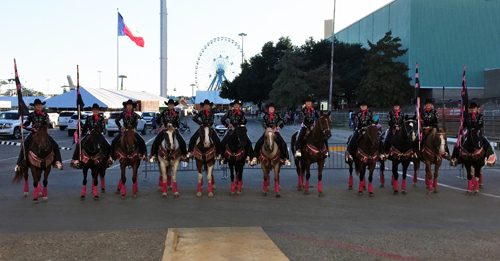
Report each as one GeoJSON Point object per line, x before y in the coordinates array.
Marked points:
{"type": "Point", "coordinates": [23, 109]}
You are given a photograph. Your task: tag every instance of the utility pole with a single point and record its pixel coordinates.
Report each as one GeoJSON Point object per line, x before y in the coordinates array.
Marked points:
{"type": "Point", "coordinates": [242, 53]}
{"type": "Point", "coordinates": [331, 66]}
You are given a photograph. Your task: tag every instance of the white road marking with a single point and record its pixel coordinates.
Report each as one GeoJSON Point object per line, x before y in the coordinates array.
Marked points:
{"type": "Point", "coordinates": [8, 159]}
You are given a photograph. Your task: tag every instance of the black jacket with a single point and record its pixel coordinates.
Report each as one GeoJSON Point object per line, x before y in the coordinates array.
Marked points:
{"type": "Point", "coordinates": [430, 118]}
{"type": "Point", "coordinates": [235, 118]}
{"type": "Point", "coordinates": [477, 123]}
{"type": "Point", "coordinates": [128, 121]}
{"type": "Point", "coordinates": [366, 121]}
{"type": "Point", "coordinates": [277, 120]}
{"type": "Point", "coordinates": [309, 116]}
{"type": "Point", "coordinates": [396, 121]}
{"type": "Point", "coordinates": [202, 118]}
{"type": "Point", "coordinates": [169, 116]}
{"type": "Point", "coordinates": [36, 118]}
{"type": "Point", "coordinates": [92, 123]}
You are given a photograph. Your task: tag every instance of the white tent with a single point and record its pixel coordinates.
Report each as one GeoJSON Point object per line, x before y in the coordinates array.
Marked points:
{"type": "Point", "coordinates": [212, 96]}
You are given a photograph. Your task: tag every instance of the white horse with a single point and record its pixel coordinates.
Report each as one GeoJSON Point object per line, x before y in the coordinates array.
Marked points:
{"type": "Point", "coordinates": [204, 153]}
{"type": "Point", "coordinates": [169, 156]}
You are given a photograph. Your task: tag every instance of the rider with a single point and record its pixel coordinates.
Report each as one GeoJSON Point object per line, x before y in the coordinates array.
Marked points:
{"type": "Point", "coordinates": [37, 118]}
{"type": "Point", "coordinates": [205, 116]}
{"type": "Point", "coordinates": [396, 120]}
{"type": "Point", "coordinates": [270, 120]}
{"type": "Point", "coordinates": [475, 121]}
{"type": "Point", "coordinates": [236, 119]}
{"type": "Point", "coordinates": [362, 120]}
{"type": "Point", "coordinates": [130, 119]}
{"type": "Point", "coordinates": [309, 116]}
{"type": "Point", "coordinates": [430, 120]}
{"type": "Point", "coordinates": [93, 121]}
{"type": "Point", "coordinates": [166, 117]}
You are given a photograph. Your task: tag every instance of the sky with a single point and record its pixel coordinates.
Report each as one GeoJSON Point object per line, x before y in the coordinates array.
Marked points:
{"type": "Point", "coordinates": [49, 38]}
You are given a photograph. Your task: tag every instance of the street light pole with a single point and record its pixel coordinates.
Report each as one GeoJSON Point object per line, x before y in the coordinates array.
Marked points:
{"type": "Point", "coordinates": [242, 38]}
{"type": "Point", "coordinates": [99, 79]}
{"type": "Point", "coordinates": [331, 67]}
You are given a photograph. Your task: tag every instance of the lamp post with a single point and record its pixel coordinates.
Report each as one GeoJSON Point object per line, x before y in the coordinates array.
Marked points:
{"type": "Point", "coordinates": [99, 79]}
{"type": "Point", "coordinates": [122, 76]}
{"type": "Point", "coordinates": [242, 38]}
{"type": "Point", "coordinates": [192, 90]}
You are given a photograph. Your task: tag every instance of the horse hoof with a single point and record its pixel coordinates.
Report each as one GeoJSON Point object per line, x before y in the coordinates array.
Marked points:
{"type": "Point", "coordinates": [164, 195]}
{"type": "Point", "coordinates": [476, 193]}
{"type": "Point", "coordinates": [170, 188]}
{"type": "Point", "coordinates": [395, 192]}
{"type": "Point", "coordinates": [45, 199]}
{"type": "Point", "coordinates": [25, 194]}
{"type": "Point", "coordinates": [176, 195]}
{"type": "Point", "coordinates": [198, 195]}
{"type": "Point", "coordinates": [300, 189]}
{"type": "Point", "coordinates": [124, 197]}
{"type": "Point", "coordinates": [306, 192]}
{"type": "Point", "coordinates": [213, 187]}
{"type": "Point", "coordinates": [404, 192]}
{"type": "Point", "coordinates": [468, 193]}
{"type": "Point", "coordinates": [35, 201]}
{"type": "Point", "coordinates": [39, 193]}
{"type": "Point", "coordinates": [117, 191]}
{"type": "Point", "coordinates": [239, 193]}
{"type": "Point", "coordinates": [430, 192]}
{"type": "Point", "coordinates": [371, 195]}
{"type": "Point", "coordinates": [360, 193]}
{"type": "Point", "coordinates": [435, 191]}
{"type": "Point", "coordinates": [231, 194]}
{"type": "Point", "coordinates": [321, 195]}
{"type": "Point", "coordinates": [480, 185]}
{"type": "Point", "coordinates": [103, 191]}
{"type": "Point", "coordinates": [382, 185]}
{"type": "Point", "coordinates": [96, 198]}
{"type": "Point", "coordinates": [134, 196]}
{"type": "Point", "coordinates": [264, 194]}
{"type": "Point", "coordinates": [364, 188]}
{"type": "Point", "coordinates": [210, 195]}
{"type": "Point", "coordinates": [278, 196]}
{"type": "Point", "coordinates": [160, 189]}
{"type": "Point", "coordinates": [414, 185]}
{"type": "Point", "coordinates": [350, 187]}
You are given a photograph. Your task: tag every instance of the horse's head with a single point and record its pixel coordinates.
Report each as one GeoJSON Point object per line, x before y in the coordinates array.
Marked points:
{"type": "Point", "coordinates": [205, 135]}
{"type": "Point", "coordinates": [170, 137]}
{"type": "Point", "coordinates": [371, 137]}
{"type": "Point", "coordinates": [269, 140]}
{"type": "Point", "coordinates": [326, 123]}
{"type": "Point", "coordinates": [410, 130]}
{"type": "Point", "coordinates": [473, 139]}
{"type": "Point", "coordinates": [439, 140]}
{"type": "Point", "coordinates": [128, 139]}
{"type": "Point", "coordinates": [41, 136]}
{"type": "Point", "coordinates": [92, 144]}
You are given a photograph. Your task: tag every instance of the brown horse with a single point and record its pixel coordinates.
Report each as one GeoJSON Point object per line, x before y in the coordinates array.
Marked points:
{"type": "Point", "coordinates": [94, 157]}
{"type": "Point", "coordinates": [366, 155]}
{"type": "Point", "coordinates": [169, 156]}
{"type": "Point", "coordinates": [204, 153]}
{"type": "Point", "coordinates": [128, 155]}
{"type": "Point", "coordinates": [40, 157]}
{"type": "Point", "coordinates": [269, 158]}
{"type": "Point", "coordinates": [432, 153]}
{"type": "Point", "coordinates": [313, 152]}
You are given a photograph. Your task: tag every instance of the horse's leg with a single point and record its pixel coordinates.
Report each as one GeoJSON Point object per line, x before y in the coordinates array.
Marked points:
{"type": "Point", "coordinates": [265, 170]}
{"type": "Point", "coordinates": [428, 175]}
{"type": "Point", "coordinates": [480, 178]}
{"type": "Point", "coordinates": [350, 176]}
{"type": "Point", "coordinates": [123, 180]}
{"type": "Point", "coordinates": [174, 170]}
{"type": "Point", "coordinates": [46, 173]}
{"type": "Point", "coordinates": [210, 177]}
{"type": "Point", "coordinates": [161, 179]}
{"type": "Point", "coordinates": [469, 179]}
{"type": "Point", "coordinates": [135, 168]}
{"type": "Point", "coordinates": [231, 169]}
{"type": "Point", "coordinates": [26, 185]}
{"type": "Point", "coordinates": [95, 182]}
{"type": "Point", "coordinates": [213, 179]}
{"type": "Point", "coordinates": [416, 169]}
{"type": "Point", "coordinates": [395, 176]}
{"type": "Point", "coordinates": [382, 176]}
{"type": "Point", "coordinates": [84, 186]}
{"type": "Point", "coordinates": [436, 170]}
{"type": "Point", "coordinates": [102, 173]}
{"type": "Point", "coordinates": [120, 184]}
{"type": "Point", "coordinates": [321, 163]}
{"type": "Point", "coordinates": [475, 178]}
{"type": "Point", "coordinates": [277, 180]}
{"type": "Point", "coordinates": [162, 164]}
{"type": "Point", "coordinates": [169, 176]}
{"type": "Point", "coordinates": [307, 167]}
{"type": "Point", "coordinates": [36, 183]}
{"type": "Point", "coordinates": [371, 169]}
{"type": "Point", "coordinates": [299, 174]}
{"type": "Point", "coordinates": [362, 170]}
{"type": "Point", "coordinates": [406, 164]}
{"type": "Point", "coordinates": [200, 177]}
{"type": "Point", "coordinates": [240, 176]}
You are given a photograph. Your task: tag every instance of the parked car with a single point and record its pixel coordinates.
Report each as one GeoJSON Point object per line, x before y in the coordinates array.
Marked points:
{"type": "Point", "coordinates": [112, 128]}
{"type": "Point", "coordinates": [148, 116]}
{"type": "Point", "coordinates": [219, 128]}
{"type": "Point", "coordinates": [64, 118]}
{"type": "Point", "coordinates": [53, 117]}
{"type": "Point", "coordinates": [73, 121]}
{"type": "Point", "coordinates": [10, 124]}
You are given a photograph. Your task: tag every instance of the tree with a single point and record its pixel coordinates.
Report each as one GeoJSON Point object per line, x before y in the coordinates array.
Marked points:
{"type": "Point", "coordinates": [290, 87]}
{"type": "Point", "coordinates": [386, 80]}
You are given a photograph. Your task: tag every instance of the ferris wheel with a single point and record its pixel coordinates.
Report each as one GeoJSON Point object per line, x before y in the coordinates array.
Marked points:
{"type": "Point", "coordinates": [218, 61]}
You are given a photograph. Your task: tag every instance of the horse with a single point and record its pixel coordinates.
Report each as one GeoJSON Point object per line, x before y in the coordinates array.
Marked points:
{"type": "Point", "coordinates": [169, 156]}
{"type": "Point", "coordinates": [94, 156]}
{"type": "Point", "coordinates": [401, 152]}
{"type": "Point", "coordinates": [235, 153]}
{"type": "Point", "coordinates": [313, 152]}
{"type": "Point", "coordinates": [128, 154]}
{"type": "Point", "coordinates": [432, 153]}
{"type": "Point", "coordinates": [204, 153]}
{"type": "Point", "coordinates": [472, 155]}
{"type": "Point", "coordinates": [367, 155]}
{"type": "Point", "coordinates": [40, 157]}
{"type": "Point", "coordinates": [269, 158]}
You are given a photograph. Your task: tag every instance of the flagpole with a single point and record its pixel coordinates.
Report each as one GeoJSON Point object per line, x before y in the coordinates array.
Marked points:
{"type": "Point", "coordinates": [117, 54]}
{"type": "Point", "coordinates": [79, 114]}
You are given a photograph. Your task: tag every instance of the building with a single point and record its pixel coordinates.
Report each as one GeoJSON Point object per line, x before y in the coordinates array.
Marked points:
{"type": "Point", "coordinates": [442, 36]}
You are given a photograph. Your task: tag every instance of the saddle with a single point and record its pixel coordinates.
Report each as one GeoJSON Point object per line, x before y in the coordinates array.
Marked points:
{"type": "Point", "coordinates": [37, 162]}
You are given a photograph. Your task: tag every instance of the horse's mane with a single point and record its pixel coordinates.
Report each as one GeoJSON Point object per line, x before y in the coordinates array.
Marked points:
{"type": "Point", "coordinates": [128, 137]}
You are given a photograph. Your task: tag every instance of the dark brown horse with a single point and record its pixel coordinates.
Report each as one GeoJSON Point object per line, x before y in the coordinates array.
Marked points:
{"type": "Point", "coordinates": [313, 152]}
{"type": "Point", "coordinates": [128, 155]}
{"type": "Point", "coordinates": [95, 157]}
{"type": "Point", "coordinates": [473, 157]}
{"type": "Point", "coordinates": [204, 153]}
{"type": "Point", "coordinates": [432, 154]}
{"type": "Point", "coordinates": [269, 158]}
{"type": "Point", "coordinates": [367, 155]}
{"type": "Point", "coordinates": [40, 157]}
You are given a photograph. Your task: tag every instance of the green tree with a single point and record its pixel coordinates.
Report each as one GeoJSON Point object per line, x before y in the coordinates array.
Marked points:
{"type": "Point", "coordinates": [290, 86]}
{"type": "Point", "coordinates": [386, 80]}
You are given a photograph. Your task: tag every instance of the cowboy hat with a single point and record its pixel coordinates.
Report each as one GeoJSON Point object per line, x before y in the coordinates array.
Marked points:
{"type": "Point", "coordinates": [170, 101]}
{"type": "Point", "coordinates": [363, 102]}
{"type": "Point", "coordinates": [396, 103]}
{"type": "Point", "coordinates": [129, 102]}
{"type": "Point", "coordinates": [37, 101]}
{"type": "Point", "coordinates": [270, 105]}
{"type": "Point", "coordinates": [428, 100]}
{"type": "Point", "coordinates": [95, 106]}
{"type": "Point", "coordinates": [206, 102]}
{"type": "Point", "coordinates": [309, 98]}
{"type": "Point", "coordinates": [473, 105]}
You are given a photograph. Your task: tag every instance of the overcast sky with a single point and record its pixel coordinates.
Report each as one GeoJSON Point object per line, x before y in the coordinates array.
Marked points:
{"type": "Point", "coordinates": [50, 37]}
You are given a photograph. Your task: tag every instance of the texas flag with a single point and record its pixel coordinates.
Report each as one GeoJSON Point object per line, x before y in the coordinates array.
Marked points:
{"type": "Point", "coordinates": [127, 29]}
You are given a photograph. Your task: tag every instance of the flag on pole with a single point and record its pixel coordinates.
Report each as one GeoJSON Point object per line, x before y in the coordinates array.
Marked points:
{"type": "Point", "coordinates": [128, 30]}
{"type": "Point", "coordinates": [464, 108]}
{"type": "Point", "coordinates": [417, 99]}
{"type": "Point", "coordinates": [23, 109]}
{"type": "Point", "coordinates": [79, 100]}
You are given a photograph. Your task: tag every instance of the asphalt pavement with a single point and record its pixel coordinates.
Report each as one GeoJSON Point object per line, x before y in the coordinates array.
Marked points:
{"type": "Point", "coordinates": [340, 226]}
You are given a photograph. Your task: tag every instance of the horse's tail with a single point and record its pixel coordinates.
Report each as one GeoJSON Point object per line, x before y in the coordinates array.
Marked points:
{"type": "Point", "coordinates": [357, 168]}
{"type": "Point", "coordinates": [18, 177]}
{"type": "Point", "coordinates": [294, 138]}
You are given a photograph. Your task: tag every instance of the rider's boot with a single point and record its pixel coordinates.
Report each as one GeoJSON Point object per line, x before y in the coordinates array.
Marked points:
{"type": "Point", "coordinates": [110, 161]}
{"type": "Point", "coordinates": [223, 160]}
{"type": "Point", "coordinates": [348, 157]}
{"type": "Point", "coordinates": [453, 162]}
{"type": "Point", "coordinates": [253, 162]}
{"type": "Point", "coordinates": [298, 154]}
{"type": "Point", "coordinates": [152, 158]}
{"type": "Point", "coordinates": [74, 164]}
{"type": "Point", "coordinates": [247, 160]}
{"type": "Point", "coordinates": [190, 154]}
{"type": "Point", "coordinates": [59, 165]}
{"type": "Point", "coordinates": [184, 158]}
{"type": "Point", "coordinates": [287, 163]}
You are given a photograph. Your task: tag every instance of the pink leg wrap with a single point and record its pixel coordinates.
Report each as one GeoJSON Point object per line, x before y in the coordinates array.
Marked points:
{"type": "Point", "coordinates": [415, 177]}
{"type": "Point", "coordinates": [44, 193]}
{"type": "Point", "coordinates": [307, 185]}
{"type": "Point", "coordinates": [360, 186]}
{"type": "Point", "coordinates": [240, 184]}
{"type": "Point", "coordinates": [175, 187]}
{"type": "Point", "coordinates": [320, 188]}
{"type": "Point", "coordinates": [403, 184]}
{"type": "Point", "coordinates": [93, 180]}
{"type": "Point", "coordinates": [277, 187]}
{"type": "Point", "coordinates": [232, 187]}
{"type": "Point", "coordinates": [264, 188]}
{"type": "Point", "coordinates": [160, 183]}
{"type": "Point", "coordinates": [209, 187]}
{"type": "Point", "coordinates": [94, 191]}
{"type": "Point", "coordinates": [39, 187]}
{"type": "Point", "coordinates": [430, 185]}
{"type": "Point", "coordinates": [480, 178]}
{"type": "Point", "coordinates": [134, 188]}
{"type": "Point", "coordinates": [35, 193]}
{"type": "Point", "coordinates": [435, 182]}
{"type": "Point", "coordinates": [382, 178]}
{"type": "Point", "coordinates": [364, 181]}
{"type": "Point", "coordinates": [164, 186]}
{"type": "Point", "coordinates": [469, 185]}
{"type": "Point", "coordinates": [199, 186]}
{"type": "Point", "coordinates": [26, 187]}
{"type": "Point", "coordinates": [301, 183]}
{"type": "Point", "coordinates": [169, 180]}
{"type": "Point", "coordinates": [119, 185]}
{"type": "Point", "coordinates": [350, 181]}
{"type": "Point", "coordinates": [84, 190]}
{"type": "Point", "coordinates": [124, 190]}
{"type": "Point", "coordinates": [102, 183]}
{"type": "Point", "coordinates": [370, 189]}
{"type": "Point", "coordinates": [396, 185]}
